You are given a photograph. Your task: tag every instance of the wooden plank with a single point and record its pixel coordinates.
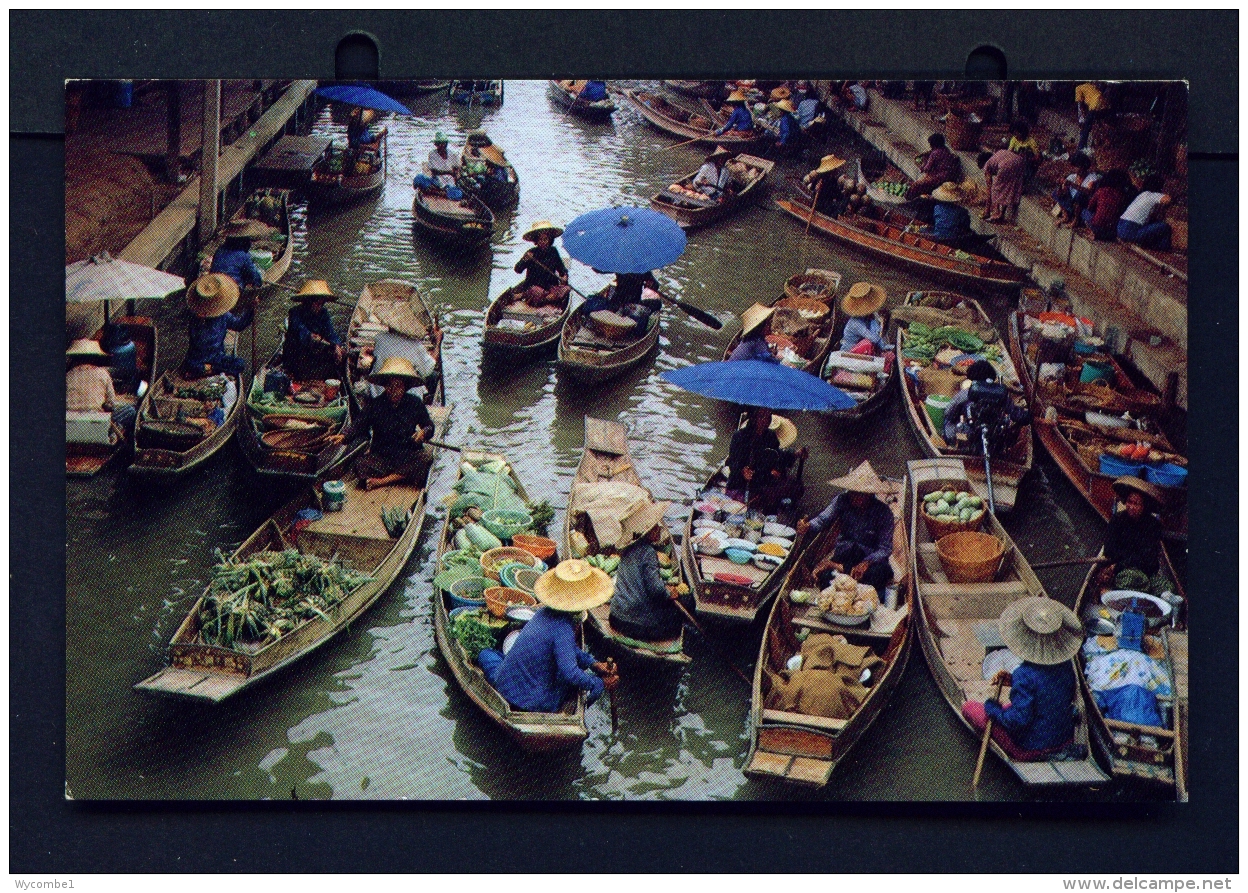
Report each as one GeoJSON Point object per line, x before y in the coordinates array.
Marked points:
{"type": "Point", "coordinates": [1139, 729]}
{"type": "Point", "coordinates": [361, 514]}
{"type": "Point", "coordinates": [967, 607]}
{"type": "Point", "coordinates": [1010, 589]}
{"type": "Point", "coordinates": [711, 565]}
{"type": "Point", "coordinates": [1176, 642]}
{"type": "Point", "coordinates": [294, 154]}
{"type": "Point", "coordinates": [767, 763]}
{"type": "Point", "coordinates": [603, 436]}
{"type": "Point", "coordinates": [811, 771]}
{"type": "Point", "coordinates": [801, 719]}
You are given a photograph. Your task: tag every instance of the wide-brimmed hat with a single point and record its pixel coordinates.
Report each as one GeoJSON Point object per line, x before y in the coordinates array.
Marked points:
{"type": "Point", "coordinates": [1128, 484]}
{"type": "Point", "coordinates": [1041, 630]}
{"type": "Point", "coordinates": [779, 93]}
{"type": "Point", "coordinates": [368, 116]}
{"type": "Point", "coordinates": [395, 367]}
{"type": "Point", "coordinates": [439, 138]}
{"type": "Point", "coordinates": [786, 105]}
{"type": "Point", "coordinates": [863, 299]}
{"type": "Point", "coordinates": [754, 317]}
{"type": "Point", "coordinates": [313, 290]}
{"type": "Point", "coordinates": [542, 226]}
{"type": "Point", "coordinates": [573, 585]}
{"type": "Point", "coordinates": [720, 152]}
{"type": "Point", "coordinates": [828, 163]}
{"type": "Point", "coordinates": [211, 295]}
{"type": "Point", "coordinates": [643, 519]}
{"type": "Point", "coordinates": [786, 431]}
{"type": "Point", "coordinates": [86, 349]}
{"type": "Point", "coordinates": [735, 96]}
{"type": "Point", "coordinates": [948, 192]}
{"type": "Point", "coordinates": [246, 229]}
{"type": "Point", "coordinates": [862, 479]}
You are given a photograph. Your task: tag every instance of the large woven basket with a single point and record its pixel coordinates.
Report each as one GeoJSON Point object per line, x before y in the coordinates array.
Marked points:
{"type": "Point", "coordinates": [939, 529]}
{"type": "Point", "coordinates": [828, 287]}
{"type": "Point", "coordinates": [499, 598]}
{"type": "Point", "coordinates": [969, 556]}
{"type": "Point", "coordinates": [810, 305]}
{"type": "Point", "coordinates": [963, 135]}
{"type": "Point", "coordinates": [494, 559]}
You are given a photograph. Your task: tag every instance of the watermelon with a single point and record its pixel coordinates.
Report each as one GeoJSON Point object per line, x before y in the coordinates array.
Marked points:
{"type": "Point", "coordinates": [481, 538]}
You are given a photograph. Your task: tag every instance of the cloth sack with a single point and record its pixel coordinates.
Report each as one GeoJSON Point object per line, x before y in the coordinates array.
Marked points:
{"type": "Point", "coordinates": [607, 503]}
{"type": "Point", "coordinates": [828, 682]}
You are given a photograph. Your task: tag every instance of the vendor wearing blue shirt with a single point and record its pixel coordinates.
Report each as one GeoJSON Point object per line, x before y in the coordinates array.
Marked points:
{"type": "Point", "coordinates": [864, 331]}
{"type": "Point", "coordinates": [740, 120]}
{"type": "Point", "coordinates": [545, 666]}
{"type": "Point", "coordinates": [755, 324]}
{"type": "Point", "coordinates": [642, 607]}
{"type": "Point", "coordinates": [950, 221]}
{"type": "Point", "coordinates": [788, 126]}
{"type": "Point", "coordinates": [864, 530]}
{"type": "Point", "coordinates": [234, 259]}
{"type": "Point", "coordinates": [593, 91]}
{"type": "Point", "coordinates": [209, 301]}
{"type": "Point", "coordinates": [1039, 721]}
{"type": "Point", "coordinates": [312, 348]}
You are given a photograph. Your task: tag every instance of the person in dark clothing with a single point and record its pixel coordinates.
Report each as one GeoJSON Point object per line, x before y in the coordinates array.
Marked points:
{"type": "Point", "coordinates": [210, 301]}
{"type": "Point", "coordinates": [1106, 205]}
{"type": "Point", "coordinates": [312, 349]}
{"type": "Point", "coordinates": [981, 401]}
{"type": "Point", "coordinates": [923, 94]}
{"type": "Point", "coordinates": [400, 427]}
{"type": "Point", "coordinates": [757, 460]}
{"type": "Point", "coordinates": [1133, 539]}
{"type": "Point", "coordinates": [829, 197]}
{"type": "Point", "coordinates": [864, 530]}
{"type": "Point", "coordinates": [642, 607]}
{"type": "Point", "coordinates": [627, 298]}
{"type": "Point", "coordinates": [545, 276]}
{"type": "Point", "coordinates": [755, 326]}
{"type": "Point", "coordinates": [939, 165]}
{"type": "Point", "coordinates": [951, 223]}
{"type": "Point", "coordinates": [234, 259]}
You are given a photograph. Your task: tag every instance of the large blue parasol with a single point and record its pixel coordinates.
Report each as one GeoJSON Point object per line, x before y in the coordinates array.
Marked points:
{"type": "Point", "coordinates": [362, 97]}
{"type": "Point", "coordinates": [624, 240]}
{"type": "Point", "coordinates": [756, 383]}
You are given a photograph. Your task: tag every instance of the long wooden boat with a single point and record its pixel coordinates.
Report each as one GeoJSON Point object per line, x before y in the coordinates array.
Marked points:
{"type": "Point", "coordinates": [480, 163]}
{"type": "Point", "coordinates": [1126, 749]}
{"type": "Point", "coordinates": [606, 459]}
{"type": "Point", "coordinates": [92, 441]}
{"type": "Point", "coordinates": [338, 187]}
{"type": "Point", "coordinates": [952, 617]}
{"type": "Point", "coordinates": [815, 347]}
{"type": "Point", "coordinates": [748, 174]}
{"type": "Point", "coordinates": [355, 535]}
{"type": "Point", "coordinates": [513, 334]}
{"type": "Point", "coordinates": [1076, 445]}
{"type": "Point", "coordinates": [486, 93]}
{"type": "Point", "coordinates": [168, 445]}
{"type": "Point", "coordinates": [870, 398]}
{"type": "Point", "coordinates": [274, 250]}
{"type": "Point", "coordinates": [805, 749]}
{"type": "Point", "coordinates": [687, 125]}
{"type": "Point", "coordinates": [419, 87]}
{"type": "Point", "coordinates": [887, 237]}
{"type": "Point", "coordinates": [591, 359]}
{"type": "Point", "coordinates": [567, 98]}
{"type": "Point", "coordinates": [531, 731]}
{"type": "Point", "coordinates": [1007, 471]}
{"type": "Point", "coordinates": [696, 89]}
{"type": "Point", "coordinates": [462, 224]}
{"type": "Point", "coordinates": [720, 113]}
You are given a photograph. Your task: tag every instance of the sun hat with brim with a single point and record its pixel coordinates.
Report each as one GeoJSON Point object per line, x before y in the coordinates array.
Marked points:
{"type": "Point", "coordinates": [786, 105]}
{"type": "Point", "coordinates": [720, 152]}
{"type": "Point", "coordinates": [439, 138]}
{"type": "Point", "coordinates": [247, 229]}
{"type": "Point", "coordinates": [212, 295]}
{"type": "Point", "coordinates": [786, 431]}
{"type": "Point", "coordinates": [368, 116]}
{"type": "Point", "coordinates": [948, 192]}
{"type": "Point", "coordinates": [863, 299]}
{"type": "Point", "coordinates": [1128, 484]}
{"type": "Point", "coordinates": [1041, 630]}
{"type": "Point", "coordinates": [395, 367]}
{"type": "Point", "coordinates": [779, 93]}
{"type": "Point", "coordinates": [86, 349]}
{"type": "Point", "coordinates": [644, 519]}
{"type": "Point", "coordinates": [862, 479]}
{"type": "Point", "coordinates": [313, 290]}
{"type": "Point", "coordinates": [573, 585]}
{"type": "Point", "coordinates": [754, 317]}
{"type": "Point", "coordinates": [542, 226]}
{"type": "Point", "coordinates": [735, 96]}
{"type": "Point", "coordinates": [828, 163]}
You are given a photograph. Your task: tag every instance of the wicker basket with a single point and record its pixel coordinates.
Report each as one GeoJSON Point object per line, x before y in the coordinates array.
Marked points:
{"type": "Point", "coordinates": [539, 546]}
{"type": "Point", "coordinates": [939, 529]}
{"type": "Point", "coordinates": [494, 559]}
{"type": "Point", "coordinates": [963, 135]}
{"type": "Point", "coordinates": [970, 556]}
{"type": "Point", "coordinates": [810, 305]}
{"type": "Point", "coordinates": [793, 287]}
{"type": "Point", "coordinates": [499, 598]}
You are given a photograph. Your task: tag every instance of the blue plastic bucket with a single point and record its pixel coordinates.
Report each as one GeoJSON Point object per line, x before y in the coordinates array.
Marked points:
{"type": "Point", "coordinates": [469, 592]}
{"type": "Point", "coordinates": [1116, 467]}
{"type": "Point", "coordinates": [1166, 475]}
{"type": "Point", "coordinates": [454, 193]}
{"type": "Point", "coordinates": [1093, 370]}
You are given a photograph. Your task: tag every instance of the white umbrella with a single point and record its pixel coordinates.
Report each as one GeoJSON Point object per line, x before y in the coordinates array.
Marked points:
{"type": "Point", "coordinates": [105, 278]}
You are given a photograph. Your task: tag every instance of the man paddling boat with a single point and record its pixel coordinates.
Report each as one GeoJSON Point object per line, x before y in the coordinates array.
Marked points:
{"type": "Point", "coordinates": [864, 530]}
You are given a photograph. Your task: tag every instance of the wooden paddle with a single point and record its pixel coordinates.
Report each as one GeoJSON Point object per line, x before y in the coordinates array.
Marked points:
{"type": "Point", "coordinates": [813, 204]}
{"type": "Point", "coordinates": [983, 746]}
{"type": "Point", "coordinates": [1067, 562]}
{"type": "Point", "coordinates": [689, 617]}
{"type": "Point", "coordinates": [685, 143]}
{"type": "Point", "coordinates": [615, 713]}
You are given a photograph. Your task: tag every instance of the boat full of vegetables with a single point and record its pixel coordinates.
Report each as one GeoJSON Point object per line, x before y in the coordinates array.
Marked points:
{"type": "Point", "coordinates": [949, 511]}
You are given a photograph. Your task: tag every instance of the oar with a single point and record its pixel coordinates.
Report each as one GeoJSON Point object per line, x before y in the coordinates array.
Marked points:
{"type": "Point", "coordinates": [983, 746]}
{"type": "Point", "coordinates": [689, 617]}
{"type": "Point", "coordinates": [1067, 562]}
{"type": "Point", "coordinates": [444, 446]}
{"type": "Point", "coordinates": [685, 143]}
{"type": "Point", "coordinates": [813, 204]}
{"type": "Point", "coordinates": [615, 711]}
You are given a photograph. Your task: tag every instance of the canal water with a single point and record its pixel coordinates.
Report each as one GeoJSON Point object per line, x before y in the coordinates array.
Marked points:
{"type": "Point", "coordinates": [376, 714]}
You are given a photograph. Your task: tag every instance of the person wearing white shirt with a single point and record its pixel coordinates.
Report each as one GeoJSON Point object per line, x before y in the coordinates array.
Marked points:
{"type": "Point", "coordinates": [713, 176]}
{"type": "Point", "coordinates": [1142, 222]}
{"type": "Point", "coordinates": [442, 166]}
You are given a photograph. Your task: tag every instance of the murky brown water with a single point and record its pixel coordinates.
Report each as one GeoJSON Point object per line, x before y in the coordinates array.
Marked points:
{"type": "Point", "coordinates": [376, 714]}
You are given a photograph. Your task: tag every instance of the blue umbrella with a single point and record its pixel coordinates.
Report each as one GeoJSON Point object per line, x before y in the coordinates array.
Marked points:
{"type": "Point", "coordinates": [363, 97]}
{"type": "Point", "coordinates": [624, 240]}
{"type": "Point", "coordinates": [756, 383]}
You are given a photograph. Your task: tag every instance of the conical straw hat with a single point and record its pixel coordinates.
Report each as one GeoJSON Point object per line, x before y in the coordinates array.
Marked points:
{"type": "Point", "coordinates": [786, 431]}
{"type": "Point", "coordinates": [828, 163]}
{"type": "Point", "coordinates": [862, 479]}
{"type": "Point", "coordinates": [542, 226]}
{"type": "Point", "coordinates": [754, 317]}
{"type": "Point", "coordinates": [1126, 485]}
{"type": "Point", "coordinates": [644, 519]}
{"type": "Point", "coordinates": [573, 585]}
{"type": "Point", "coordinates": [948, 192]}
{"type": "Point", "coordinates": [212, 295]}
{"type": "Point", "coordinates": [1041, 630]}
{"type": "Point", "coordinates": [863, 299]}
{"type": "Point", "coordinates": [395, 367]}
{"type": "Point", "coordinates": [86, 348]}
{"type": "Point", "coordinates": [312, 290]}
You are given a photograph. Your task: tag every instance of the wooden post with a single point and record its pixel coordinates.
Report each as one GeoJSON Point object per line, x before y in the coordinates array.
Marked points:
{"type": "Point", "coordinates": [173, 144]}
{"type": "Point", "coordinates": [208, 162]}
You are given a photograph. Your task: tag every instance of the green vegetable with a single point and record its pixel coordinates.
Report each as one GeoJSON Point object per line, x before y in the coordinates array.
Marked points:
{"type": "Point", "coordinates": [472, 634]}
{"type": "Point", "coordinates": [542, 515]}
{"type": "Point", "coordinates": [395, 519]}
{"type": "Point", "coordinates": [1132, 579]}
{"type": "Point", "coordinates": [481, 538]}
{"type": "Point", "coordinates": [461, 540]}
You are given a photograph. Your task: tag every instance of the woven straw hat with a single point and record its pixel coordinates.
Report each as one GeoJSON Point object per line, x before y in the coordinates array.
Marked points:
{"type": "Point", "coordinates": [1041, 630]}
{"type": "Point", "coordinates": [641, 522]}
{"type": "Point", "coordinates": [212, 295]}
{"type": "Point", "coordinates": [735, 96]}
{"type": "Point", "coordinates": [779, 93]}
{"type": "Point", "coordinates": [395, 367]}
{"type": "Point", "coordinates": [247, 229]}
{"type": "Point", "coordinates": [754, 317]}
{"type": "Point", "coordinates": [313, 290]}
{"type": "Point", "coordinates": [863, 299]}
{"type": "Point", "coordinates": [786, 431]}
{"type": "Point", "coordinates": [573, 585]}
{"type": "Point", "coordinates": [439, 139]}
{"type": "Point", "coordinates": [720, 152]}
{"type": "Point", "coordinates": [86, 348]}
{"type": "Point", "coordinates": [1128, 484]}
{"type": "Point", "coordinates": [948, 192]}
{"type": "Point", "coordinates": [368, 116]}
{"type": "Point", "coordinates": [542, 226]}
{"type": "Point", "coordinates": [862, 479]}
{"type": "Point", "coordinates": [828, 163]}
{"type": "Point", "coordinates": [786, 105]}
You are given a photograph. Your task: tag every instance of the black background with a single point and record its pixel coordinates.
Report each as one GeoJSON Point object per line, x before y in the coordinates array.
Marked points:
{"type": "Point", "coordinates": [50, 834]}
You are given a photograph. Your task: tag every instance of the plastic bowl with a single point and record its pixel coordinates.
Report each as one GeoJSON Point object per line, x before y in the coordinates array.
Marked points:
{"type": "Point", "coordinates": [526, 578]}
{"type": "Point", "coordinates": [499, 598]}
{"type": "Point", "coordinates": [506, 523]}
{"type": "Point", "coordinates": [469, 592]}
{"type": "Point", "coordinates": [738, 556]}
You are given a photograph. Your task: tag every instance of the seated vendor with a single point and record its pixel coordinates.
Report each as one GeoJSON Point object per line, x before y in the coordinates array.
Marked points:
{"type": "Point", "coordinates": [755, 326]}
{"type": "Point", "coordinates": [89, 385]}
{"type": "Point", "coordinates": [642, 607]}
{"type": "Point", "coordinates": [210, 301]}
{"type": "Point", "coordinates": [713, 177]}
{"type": "Point", "coordinates": [400, 427]}
{"type": "Point", "coordinates": [1039, 720]}
{"type": "Point", "coordinates": [312, 349]}
{"type": "Point", "coordinates": [740, 121]}
{"type": "Point", "coordinates": [360, 135]}
{"type": "Point", "coordinates": [864, 330]}
{"type": "Point", "coordinates": [634, 295]}
{"type": "Point", "coordinates": [938, 165]}
{"type": "Point", "coordinates": [828, 194]}
{"type": "Point", "coordinates": [442, 167]}
{"type": "Point", "coordinates": [544, 667]}
{"type": "Point", "coordinates": [759, 459]}
{"type": "Point", "coordinates": [951, 222]}
{"type": "Point", "coordinates": [788, 140]}
{"type": "Point", "coordinates": [545, 276]}
{"type": "Point", "coordinates": [864, 531]}
{"type": "Point", "coordinates": [1133, 539]}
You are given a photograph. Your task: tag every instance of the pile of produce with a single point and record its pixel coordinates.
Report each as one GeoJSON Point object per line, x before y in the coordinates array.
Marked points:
{"type": "Point", "coordinates": [607, 563]}
{"type": "Point", "coordinates": [208, 390]}
{"type": "Point", "coordinates": [1138, 581]}
{"type": "Point", "coordinates": [890, 187]}
{"type": "Point", "coordinates": [923, 342]}
{"type": "Point", "coordinates": [396, 519]}
{"type": "Point", "coordinates": [542, 514]}
{"type": "Point", "coordinates": [256, 600]}
{"type": "Point", "coordinates": [953, 507]}
{"type": "Point", "coordinates": [476, 630]}
{"type": "Point", "coordinates": [848, 598]}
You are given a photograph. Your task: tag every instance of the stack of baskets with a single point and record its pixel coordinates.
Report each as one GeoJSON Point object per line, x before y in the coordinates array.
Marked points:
{"type": "Point", "coordinates": [969, 556]}
{"type": "Point", "coordinates": [494, 559]}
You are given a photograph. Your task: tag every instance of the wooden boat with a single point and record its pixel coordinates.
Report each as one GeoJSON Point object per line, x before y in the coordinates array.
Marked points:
{"type": "Point", "coordinates": [478, 92]}
{"type": "Point", "coordinates": [870, 398]}
{"type": "Point", "coordinates": [953, 616]}
{"type": "Point", "coordinates": [748, 174]}
{"type": "Point", "coordinates": [1126, 749]}
{"type": "Point", "coordinates": [356, 534]}
{"type": "Point", "coordinates": [531, 731]}
{"type": "Point", "coordinates": [812, 347]}
{"type": "Point", "coordinates": [567, 98]}
{"type": "Point", "coordinates": [92, 441]}
{"type": "Point", "coordinates": [392, 317]}
{"type": "Point", "coordinates": [338, 177]}
{"type": "Point", "coordinates": [462, 224]}
{"type": "Point", "coordinates": [687, 125]}
{"type": "Point", "coordinates": [885, 235]}
{"type": "Point", "coordinates": [174, 436]}
{"type": "Point", "coordinates": [1008, 470]}
{"type": "Point", "coordinates": [419, 87]}
{"type": "Point", "coordinates": [516, 335]}
{"type": "Point", "coordinates": [1076, 445]}
{"type": "Point", "coordinates": [805, 749]}
{"type": "Point", "coordinates": [481, 163]}
{"type": "Point", "coordinates": [696, 89]}
{"type": "Point", "coordinates": [606, 459]}
{"type": "Point", "coordinates": [720, 113]}
{"type": "Point", "coordinates": [273, 251]}
{"type": "Point", "coordinates": [589, 358]}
